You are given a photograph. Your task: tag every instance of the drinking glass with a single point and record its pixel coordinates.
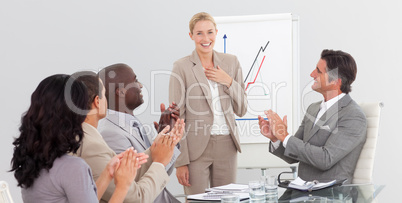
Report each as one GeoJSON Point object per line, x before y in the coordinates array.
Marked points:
{"type": "Point", "coordinates": [271, 188]}
{"type": "Point", "coordinates": [257, 190]}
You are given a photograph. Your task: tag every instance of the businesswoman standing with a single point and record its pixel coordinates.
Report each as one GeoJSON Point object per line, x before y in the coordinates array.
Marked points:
{"type": "Point", "coordinates": [50, 129]}
{"type": "Point", "coordinates": [209, 89]}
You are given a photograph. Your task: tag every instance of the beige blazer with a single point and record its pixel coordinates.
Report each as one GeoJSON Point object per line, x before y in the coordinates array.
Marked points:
{"type": "Point", "coordinates": [120, 135]}
{"type": "Point", "coordinates": [189, 88]}
{"type": "Point", "coordinates": [149, 182]}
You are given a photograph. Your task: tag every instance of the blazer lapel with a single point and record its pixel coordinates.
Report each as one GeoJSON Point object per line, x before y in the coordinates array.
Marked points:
{"type": "Point", "coordinates": [114, 118]}
{"type": "Point", "coordinates": [201, 78]}
{"type": "Point", "coordinates": [332, 111]}
{"type": "Point", "coordinates": [225, 100]}
{"type": "Point", "coordinates": [311, 115]}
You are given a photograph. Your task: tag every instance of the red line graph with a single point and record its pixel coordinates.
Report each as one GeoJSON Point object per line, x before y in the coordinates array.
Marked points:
{"type": "Point", "coordinates": [256, 74]}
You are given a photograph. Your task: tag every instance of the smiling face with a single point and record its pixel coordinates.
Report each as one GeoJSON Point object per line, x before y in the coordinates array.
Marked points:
{"type": "Point", "coordinates": [321, 81]}
{"type": "Point", "coordinates": [130, 89]}
{"type": "Point", "coordinates": [134, 98]}
{"type": "Point", "coordinates": [204, 35]}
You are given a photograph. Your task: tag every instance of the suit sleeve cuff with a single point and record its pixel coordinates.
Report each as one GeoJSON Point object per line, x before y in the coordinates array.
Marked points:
{"type": "Point", "coordinates": [285, 141]}
{"type": "Point", "coordinates": [275, 145]}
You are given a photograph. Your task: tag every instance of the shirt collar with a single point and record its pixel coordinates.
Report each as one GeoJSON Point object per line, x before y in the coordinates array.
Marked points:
{"type": "Point", "coordinates": [124, 119]}
{"type": "Point", "coordinates": [90, 130]}
{"type": "Point", "coordinates": [326, 105]}
{"type": "Point", "coordinates": [89, 126]}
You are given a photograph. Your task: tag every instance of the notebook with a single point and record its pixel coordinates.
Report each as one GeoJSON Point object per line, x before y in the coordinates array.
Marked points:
{"type": "Point", "coordinates": [300, 184]}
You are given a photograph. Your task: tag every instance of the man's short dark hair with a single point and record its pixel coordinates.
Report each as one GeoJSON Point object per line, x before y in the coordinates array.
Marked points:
{"type": "Point", "coordinates": [343, 64]}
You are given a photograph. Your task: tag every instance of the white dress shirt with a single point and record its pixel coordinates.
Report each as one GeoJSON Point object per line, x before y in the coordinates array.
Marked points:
{"type": "Point", "coordinates": [219, 126]}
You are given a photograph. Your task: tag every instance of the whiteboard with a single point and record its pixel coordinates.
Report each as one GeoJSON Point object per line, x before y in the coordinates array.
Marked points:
{"type": "Point", "coordinates": [266, 48]}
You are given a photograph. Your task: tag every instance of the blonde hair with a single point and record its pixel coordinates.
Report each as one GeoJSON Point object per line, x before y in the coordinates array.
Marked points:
{"type": "Point", "coordinates": [200, 17]}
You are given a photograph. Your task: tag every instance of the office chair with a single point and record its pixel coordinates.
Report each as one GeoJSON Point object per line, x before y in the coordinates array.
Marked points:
{"type": "Point", "coordinates": [365, 164]}
{"type": "Point", "coordinates": [5, 196]}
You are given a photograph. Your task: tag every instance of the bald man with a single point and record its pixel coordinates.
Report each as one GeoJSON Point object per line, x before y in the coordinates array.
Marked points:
{"type": "Point", "coordinates": [121, 128]}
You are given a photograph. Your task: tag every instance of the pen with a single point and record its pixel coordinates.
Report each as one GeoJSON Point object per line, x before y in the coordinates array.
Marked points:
{"type": "Point", "coordinates": [220, 192]}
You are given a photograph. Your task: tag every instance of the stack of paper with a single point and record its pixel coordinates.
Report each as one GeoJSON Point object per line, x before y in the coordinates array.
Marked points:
{"type": "Point", "coordinates": [231, 187]}
{"type": "Point", "coordinates": [215, 193]}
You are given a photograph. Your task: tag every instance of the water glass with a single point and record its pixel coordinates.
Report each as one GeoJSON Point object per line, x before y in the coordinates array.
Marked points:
{"type": "Point", "coordinates": [271, 188]}
{"type": "Point", "coordinates": [230, 199]}
{"type": "Point", "coordinates": [257, 190]}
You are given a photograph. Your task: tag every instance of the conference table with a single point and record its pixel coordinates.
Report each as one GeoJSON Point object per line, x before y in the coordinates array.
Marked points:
{"type": "Point", "coordinates": [364, 193]}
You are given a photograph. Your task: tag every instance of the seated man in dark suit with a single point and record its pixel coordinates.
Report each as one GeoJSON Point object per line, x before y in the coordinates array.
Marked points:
{"type": "Point", "coordinates": [330, 138]}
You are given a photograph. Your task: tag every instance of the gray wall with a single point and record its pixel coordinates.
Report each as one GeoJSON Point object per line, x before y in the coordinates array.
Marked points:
{"type": "Point", "coordinates": [40, 38]}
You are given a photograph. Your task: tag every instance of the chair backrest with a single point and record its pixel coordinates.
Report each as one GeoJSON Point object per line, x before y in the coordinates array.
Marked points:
{"type": "Point", "coordinates": [5, 196]}
{"type": "Point", "coordinates": [364, 168]}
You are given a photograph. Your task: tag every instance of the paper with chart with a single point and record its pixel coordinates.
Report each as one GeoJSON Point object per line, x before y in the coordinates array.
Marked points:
{"type": "Point", "coordinates": [263, 45]}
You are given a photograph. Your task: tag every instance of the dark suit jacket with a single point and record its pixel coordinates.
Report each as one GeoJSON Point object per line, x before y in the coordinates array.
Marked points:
{"type": "Point", "coordinates": [330, 149]}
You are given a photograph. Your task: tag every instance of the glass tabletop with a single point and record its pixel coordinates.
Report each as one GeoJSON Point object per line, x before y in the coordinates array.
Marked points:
{"type": "Point", "coordinates": [346, 193]}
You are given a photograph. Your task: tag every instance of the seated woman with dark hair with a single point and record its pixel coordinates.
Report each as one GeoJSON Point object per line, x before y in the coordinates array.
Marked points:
{"type": "Point", "coordinates": [50, 129]}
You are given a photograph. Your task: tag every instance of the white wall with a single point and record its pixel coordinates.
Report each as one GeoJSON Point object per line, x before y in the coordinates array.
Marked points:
{"type": "Point", "coordinates": [40, 38]}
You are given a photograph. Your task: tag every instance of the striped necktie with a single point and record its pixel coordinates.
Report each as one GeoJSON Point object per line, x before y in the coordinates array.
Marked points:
{"type": "Point", "coordinates": [142, 133]}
